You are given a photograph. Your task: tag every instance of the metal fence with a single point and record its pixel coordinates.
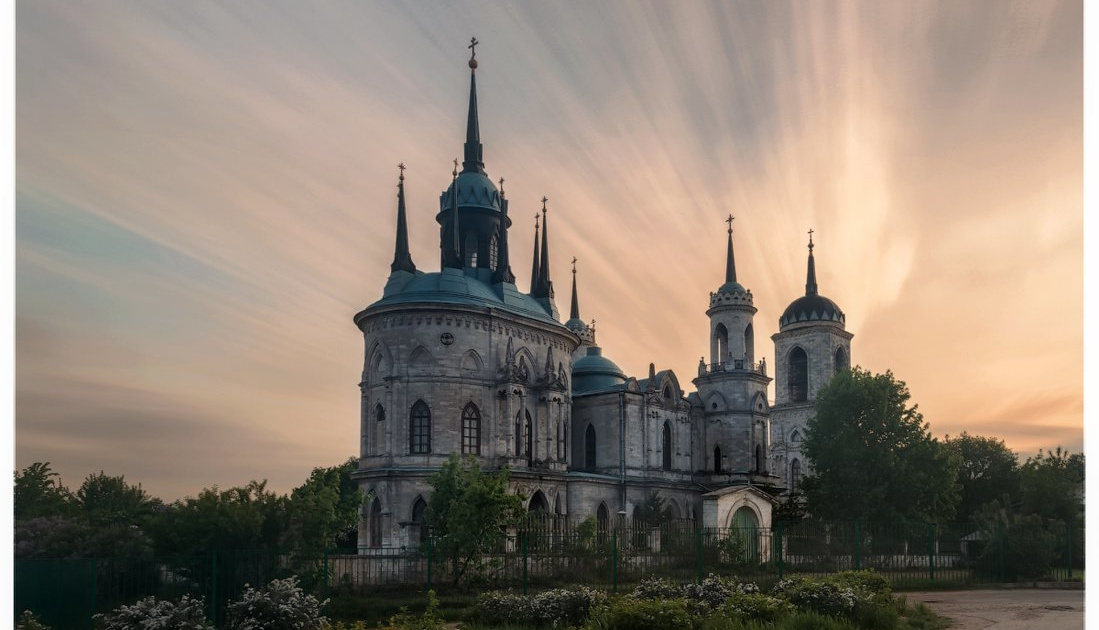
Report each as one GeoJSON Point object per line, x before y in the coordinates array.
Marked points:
{"type": "Point", "coordinates": [65, 593]}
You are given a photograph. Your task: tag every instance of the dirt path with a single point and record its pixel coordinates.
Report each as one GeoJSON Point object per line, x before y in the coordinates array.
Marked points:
{"type": "Point", "coordinates": [1008, 609]}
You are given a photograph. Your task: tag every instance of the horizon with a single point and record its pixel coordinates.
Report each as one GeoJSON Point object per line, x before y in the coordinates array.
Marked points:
{"type": "Point", "coordinates": [206, 196]}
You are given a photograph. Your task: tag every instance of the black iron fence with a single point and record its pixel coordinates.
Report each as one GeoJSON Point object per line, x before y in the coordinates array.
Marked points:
{"type": "Point", "coordinates": [546, 553]}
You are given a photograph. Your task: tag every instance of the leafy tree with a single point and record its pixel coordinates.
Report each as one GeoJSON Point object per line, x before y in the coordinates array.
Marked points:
{"type": "Point", "coordinates": [39, 493]}
{"type": "Point", "coordinates": [653, 511]}
{"type": "Point", "coordinates": [988, 470]}
{"type": "Point", "coordinates": [873, 456]}
{"type": "Point", "coordinates": [246, 518]}
{"type": "Point", "coordinates": [105, 500]}
{"type": "Point", "coordinates": [1052, 486]}
{"type": "Point", "coordinates": [60, 537]}
{"type": "Point", "coordinates": [323, 513]}
{"type": "Point", "coordinates": [468, 512]}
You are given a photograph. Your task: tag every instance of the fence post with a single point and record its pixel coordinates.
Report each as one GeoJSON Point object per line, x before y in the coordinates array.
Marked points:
{"type": "Point", "coordinates": [858, 545]}
{"type": "Point", "coordinates": [325, 592]}
{"type": "Point", "coordinates": [1068, 550]}
{"type": "Point", "coordinates": [95, 583]}
{"type": "Point", "coordinates": [430, 538]}
{"type": "Point", "coordinates": [931, 550]}
{"type": "Point", "coordinates": [778, 548]}
{"type": "Point", "coordinates": [525, 556]}
{"type": "Point", "coordinates": [698, 554]}
{"type": "Point", "coordinates": [1000, 542]}
{"type": "Point", "coordinates": [614, 560]}
{"type": "Point", "coordinates": [214, 587]}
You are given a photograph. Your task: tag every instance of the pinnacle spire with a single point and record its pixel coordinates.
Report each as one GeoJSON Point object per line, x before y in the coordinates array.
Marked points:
{"type": "Point", "coordinates": [473, 161]}
{"type": "Point", "coordinates": [402, 259]}
{"type": "Point", "coordinates": [452, 251]}
{"type": "Point", "coordinates": [730, 262]}
{"type": "Point", "coordinates": [534, 269]}
{"type": "Point", "coordinates": [574, 313]}
{"type": "Point", "coordinates": [811, 274]}
{"type": "Point", "coordinates": [503, 262]}
{"type": "Point", "coordinates": [545, 285]}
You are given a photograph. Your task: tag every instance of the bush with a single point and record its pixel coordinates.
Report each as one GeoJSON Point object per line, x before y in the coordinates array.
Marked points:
{"type": "Point", "coordinates": [638, 614]}
{"type": "Point", "coordinates": [280, 606]}
{"type": "Point", "coordinates": [27, 621]}
{"type": "Point", "coordinates": [656, 588]}
{"type": "Point", "coordinates": [430, 620]}
{"type": "Point", "coordinates": [714, 590]}
{"type": "Point", "coordinates": [817, 621]}
{"type": "Point", "coordinates": [865, 582]}
{"type": "Point", "coordinates": [186, 614]}
{"type": "Point", "coordinates": [822, 597]}
{"type": "Point", "coordinates": [557, 607]}
{"type": "Point", "coordinates": [756, 607]}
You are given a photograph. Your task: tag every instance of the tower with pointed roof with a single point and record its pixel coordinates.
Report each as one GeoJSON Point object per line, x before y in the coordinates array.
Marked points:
{"type": "Point", "coordinates": [732, 388]}
{"type": "Point", "coordinates": [812, 344]}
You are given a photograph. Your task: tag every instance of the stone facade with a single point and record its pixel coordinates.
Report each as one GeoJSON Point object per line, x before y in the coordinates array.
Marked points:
{"type": "Point", "coordinates": [460, 361]}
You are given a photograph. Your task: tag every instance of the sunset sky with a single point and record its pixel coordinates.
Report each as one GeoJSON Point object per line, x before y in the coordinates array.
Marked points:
{"type": "Point", "coordinates": [205, 196]}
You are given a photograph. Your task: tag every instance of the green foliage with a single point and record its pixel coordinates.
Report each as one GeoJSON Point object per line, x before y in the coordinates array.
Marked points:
{"type": "Point", "coordinates": [653, 511]}
{"type": "Point", "coordinates": [28, 621]}
{"type": "Point", "coordinates": [656, 588]}
{"type": "Point", "coordinates": [469, 512]}
{"type": "Point", "coordinates": [987, 471]}
{"type": "Point", "coordinates": [217, 520]}
{"type": "Point", "coordinates": [106, 500]}
{"type": "Point", "coordinates": [756, 607]}
{"type": "Point", "coordinates": [1016, 546]}
{"type": "Point", "coordinates": [323, 513]}
{"type": "Point", "coordinates": [810, 620]}
{"type": "Point", "coordinates": [1052, 486]}
{"type": "Point", "coordinates": [39, 493]}
{"type": "Point", "coordinates": [59, 537]}
{"type": "Point", "coordinates": [556, 608]}
{"type": "Point", "coordinates": [281, 605]}
{"type": "Point", "coordinates": [429, 620]}
{"type": "Point", "coordinates": [873, 456]}
{"type": "Point", "coordinates": [643, 614]}
{"type": "Point", "coordinates": [186, 614]}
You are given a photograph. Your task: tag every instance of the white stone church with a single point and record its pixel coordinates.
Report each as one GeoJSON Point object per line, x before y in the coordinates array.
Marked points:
{"type": "Point", "coordinates": [461, 360]}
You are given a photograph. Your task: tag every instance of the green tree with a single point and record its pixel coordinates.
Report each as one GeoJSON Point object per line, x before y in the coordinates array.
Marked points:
{"type": "Point", "coordinates": [106, 500]}
{"type": "Point", "coordinates": [654, 511]}
{"type": "Point", "coordinates": [245, 518]}
{"type": "Point", "coordinates": [323, 513]}
{"type": "Point", "coordinates": [1052, 486]}
{"type": "Point", "coordinates": [873, 456]}
{"type": "Point", "coordinates": [988, 470]}
{"type": "Point", "coordinates": [39, 493]}
{"type": "Point", "coordinates": [468, 513]}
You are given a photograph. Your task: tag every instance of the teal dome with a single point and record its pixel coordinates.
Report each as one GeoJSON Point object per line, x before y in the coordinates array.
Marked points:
{"type": "Point", "coordinates": [475, 190]}
{"type": "Point", "coordinates": [595, 372]}
{"type": "Point", "coordinates": [732, 287]}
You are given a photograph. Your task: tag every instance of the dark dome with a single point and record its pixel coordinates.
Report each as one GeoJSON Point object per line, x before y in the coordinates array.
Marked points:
{"type": "Point", "coordinates": [475, 190]}
{"type": "Point", "coordinates": [811, 308]}
{"type": "Point", "coordinates": [595, 372]}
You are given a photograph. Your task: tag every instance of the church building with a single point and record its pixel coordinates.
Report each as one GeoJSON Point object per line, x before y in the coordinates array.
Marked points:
{"type": "Point", "coordinates": [463, 361]}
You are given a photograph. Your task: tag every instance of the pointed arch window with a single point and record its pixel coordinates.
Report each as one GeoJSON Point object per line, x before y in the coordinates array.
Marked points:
{"type": "Point", "coordinates": [471, 249]}
{"type": "Point", "coordinates": [720, 345]}
{"type": "Point", "coordinates": [493, 252]}
{"type": "Point", "coordinates": [717, 459]}
{"type": "Point", "coordinates": [749, 345]}
{"type": "Point", "coordinates": [602, 521]}
{"type": "Point", "coordinates": [379, 413]}
{"type": "Point", "coordinates": [795, 475]}
{"type": "Point", "coordinates": [840, 361]}
{"type": "Point", "coordinates": [666, 446]}
{"type": "Point", "coordinates": [471, 429]}
{"type": "Point", "coordinates": [797, 379]}
{"type": "Point", "coordinates": [759, 458]}
{"type": "Point", "coordinates": [374, 524]}
{"type": "Point", "coordinates": [418, 520]}
{"type": "Point", "coordinates": [589, 448]}
{"type": "Point", "coordinates": [419, 429]}
{"type": "Point", "coordinates": [523, 438]}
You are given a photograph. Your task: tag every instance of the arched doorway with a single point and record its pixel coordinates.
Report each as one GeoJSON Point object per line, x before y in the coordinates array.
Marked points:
{"type": "Point", "coordinates": [745, 528]}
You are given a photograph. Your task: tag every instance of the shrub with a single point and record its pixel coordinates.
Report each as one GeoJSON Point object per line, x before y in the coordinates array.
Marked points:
{"type": "Point", "coordinates": [756, 606]}
{"type": "Point", "coordinates": [866, 582]}
{"type": "Point", "coordinates": [430, 620]}
{"type": "Point", "coordinates": [656, 588]}
{"type": "Point", "coordinates": [497, 608]}
{"type": "Point", "coordinates": [714, 590]}
{"type": "Point", "coordinates": [27, 621]}
{"type": "Point", "coordinates": [822, 597]}
{"type": "Point", "coordinates": [639, 614]}
{"type": "Point", "coordinates": [807, 620]}
{"type": "Point", "coordinates": [281, 605]}
{"type": "Point", "coordinates": [557, 607]}
{"type": "Point", "coordinates": [186, 614]}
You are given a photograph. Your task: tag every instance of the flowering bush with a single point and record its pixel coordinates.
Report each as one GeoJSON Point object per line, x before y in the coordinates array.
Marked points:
{"type": "Point", "coordinates": [151, 613]}
{"type": "Point", "coordinates": [280, 606]}
{"type": "Point", "coordinates": [556, 608]}
{"type": "Point", "coordinates": [822, 597]}
{"type": "Point", "coordinates": [714, 590]}
{"type": "Point", "coordinates": [865, 582]}
{"type": "Point", "coordinates": [27, 621]}
{"type": "Point", "coordinates": [756, 606]}
{"type": "Point", "coordinates": [656, 588]}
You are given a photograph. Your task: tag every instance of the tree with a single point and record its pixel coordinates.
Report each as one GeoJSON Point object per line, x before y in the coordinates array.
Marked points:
{"type": "Point", "coordinates": [988, 470]}
{"type": "Point", "coordinates": [1052, 486]}
{"type": "Point", "coordinates": [654, 511]}
{"type": "Point", "coordinates": [247, 518]}
{"type": "Point", "coordinates": [323, 512]}
{"type": "Point", "coordinates": [873, 456]}
{"type": "Point", "coordinates": [469, 512]}
{"type": "Point", "coordinates": [39, 493]}
{"type": "Point", "coordinates": [106, 500]}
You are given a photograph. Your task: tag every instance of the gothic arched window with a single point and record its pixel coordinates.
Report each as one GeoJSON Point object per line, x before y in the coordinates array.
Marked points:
{"type": "Point", "coordinates": [418, 509]}
{"type": "Point", "coordinates": [471, 429]}
{"type": "Point", "coordinates": [379, 413]}
{"type": "Point", "coordinates": [589, 448]}
{"type": "Point", "coordinates": [666, 446]}
{"type": "Point", "coordinates": [419, 429]}
{"type": "Point", "coordinates": [759, 458]}
{"type": "Point", "coordinates": [798, 376]}
{"type": "Point", "coordinates": [374, 524]}
{"type": "Point", "coordinates": [721, 345]}
{"type": "Point", "coordinates": [749, 345]}
{"type": "Point", "coordinates": [840, 362]}
{"type": "Point", "coordinates": [795, 475]}
{"type": "Point", "coordinates": [493, 252]}
{"type": "Point", "coordinates": [717, 459]}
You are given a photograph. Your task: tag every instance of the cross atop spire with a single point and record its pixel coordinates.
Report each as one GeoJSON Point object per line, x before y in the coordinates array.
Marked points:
{"type": "Point", "coordinates": [501, 186]}
{"type": "Point", "coordinates": [811, 273]}
{"type": "Point", "coordinates": [730, 262]}
{"type": "Point", "coordinates": [473, 52]}
{"type": "Point", "coordinates": [574, 312]}
{"type": "Point", "coordinates": [473, 159]}
{"type": "Point", "coordinates": [810, 239]}
{"type": "Point", "coordinates": [544, 200]}
{"type": "Point", "coordinates": [730, 222]}
{"type": "Point", "coordinates": [401, 166]}
{"type": "Point", "coordinates": [402, 259]}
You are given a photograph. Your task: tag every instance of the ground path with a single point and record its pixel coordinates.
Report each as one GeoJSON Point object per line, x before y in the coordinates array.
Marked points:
{"type": "Point", "coordinates": [1007, 609]}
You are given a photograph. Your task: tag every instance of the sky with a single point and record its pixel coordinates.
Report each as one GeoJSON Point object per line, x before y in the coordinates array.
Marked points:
{"type": "Point", "coordinates": [206, 194]}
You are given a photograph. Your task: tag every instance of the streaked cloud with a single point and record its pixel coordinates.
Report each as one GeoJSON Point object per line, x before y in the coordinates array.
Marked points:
{"type": "Point", "coordinates": [206, 196]}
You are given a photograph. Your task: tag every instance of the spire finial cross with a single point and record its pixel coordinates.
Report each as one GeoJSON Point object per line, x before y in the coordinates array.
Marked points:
{"type": "Point", "coordinates": [473, 48]}
{"type": "Point", "coordinates": [536, 217]}
{"type": "Point", "coordinates": [544, 200]}
{"type": "Point", "coordinates": [574, 265]}
{"type": "Point", "coordinates": [455, 173]}
{"type": "Point", "coordinates": [810, 239]}
{"type": "Point", "coordinates": [401, 166]}
{"type": "Point", "coordinates": [730, 222]}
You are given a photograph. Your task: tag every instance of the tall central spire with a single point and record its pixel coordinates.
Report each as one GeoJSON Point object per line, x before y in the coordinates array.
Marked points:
{"type": "Point", "coordinates": [544, 288]}
{"type": "Point", "coordinates": [534, 269]}
{"type": "Point", "coordinates": [730, 263]}
{"type": "Point", "coordinates": [811, 274]}
{"type": "Point", "coordinates": [402, 259]}
{"type": "Point", "coordinates": [574, 313]}
{"type": "Point", "coordinates": [473, 161]}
